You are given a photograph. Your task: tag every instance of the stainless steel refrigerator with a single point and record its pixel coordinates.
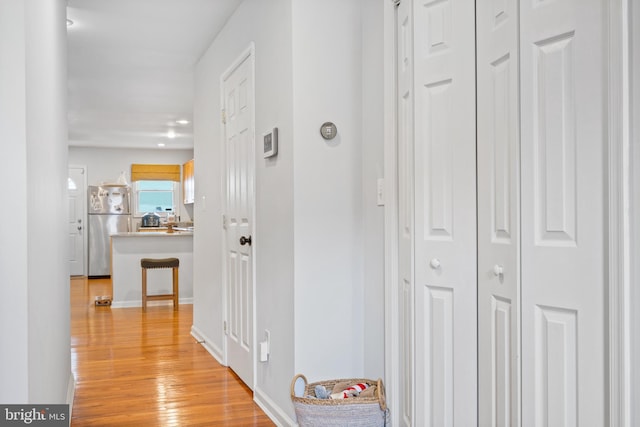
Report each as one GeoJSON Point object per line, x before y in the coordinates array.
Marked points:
{"type": "Point", "coordinates": [109, 213]}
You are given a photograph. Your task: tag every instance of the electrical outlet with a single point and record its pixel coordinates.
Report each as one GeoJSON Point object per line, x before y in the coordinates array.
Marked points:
{"type": "Point", "coordinates": [264, 346]}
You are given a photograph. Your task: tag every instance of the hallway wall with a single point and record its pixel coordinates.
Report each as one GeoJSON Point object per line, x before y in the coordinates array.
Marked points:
{"type": "Point", "coordinates": [268, 26]}
{"type": "Point", "coordinates": [35, 362]}
{"type": "Point", "coordinates": [328, 202]}
{"type": "Point", "coordinates": [318, 236]}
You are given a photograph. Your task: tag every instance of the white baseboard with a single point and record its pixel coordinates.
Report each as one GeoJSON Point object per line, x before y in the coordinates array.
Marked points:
{"type": "Point", "coordinates": [270, 408]}
{"type": "Point", "coordinates": [71, 393]}
{"type": "Point", "coordinates": [273, 411]}
{"type": "Point", "coordinates": [208, 345]}
{"type": "Point", "coordinates": [129, 304]}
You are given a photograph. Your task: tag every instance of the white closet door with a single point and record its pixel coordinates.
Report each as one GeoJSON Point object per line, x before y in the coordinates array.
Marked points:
{"type": "Point", "coordinates": [563, 290]}
{"type": "Point", "coordinates": [445, 213]}
{"type": "Point", "coordinates": [405, 211]}
{"type": "Point", "coordinates": [498, 214]}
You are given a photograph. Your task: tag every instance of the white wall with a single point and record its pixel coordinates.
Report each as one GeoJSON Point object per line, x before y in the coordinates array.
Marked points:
{"type": "Point", "coordinates": [318, 237]}
{"type": "Point", "coordinates": [268, 25]}
{"type": "Point", "coordinates": [329, 310]}
{"type": "Point", "coordinates": [372, 169]}
{"type": "Point", "coordinates": [105, 164]}
{"type": "Point", "coordinates": [14, 369]}
{"type": "Point", "coordinates": [35, 362]}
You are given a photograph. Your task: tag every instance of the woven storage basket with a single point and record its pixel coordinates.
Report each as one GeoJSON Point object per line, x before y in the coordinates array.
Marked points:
{"type": "Point", "coordinates": [354, 411]}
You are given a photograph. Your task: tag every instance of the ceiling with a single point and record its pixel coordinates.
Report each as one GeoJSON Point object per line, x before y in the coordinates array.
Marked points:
{"type": "Point", "coordinates": [131, 68]}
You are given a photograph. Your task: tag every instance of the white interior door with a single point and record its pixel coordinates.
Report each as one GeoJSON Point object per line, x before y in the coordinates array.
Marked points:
{"type": "Point", "coordinates": [498, 212]}
{"type": "Point", "coordinates": [445, 213]}
{"type": "Point", "coordinates": [238, 113]}
{"type": "Point", "coordinates": [404, 103]}
{"type": "Point", "coordinates": [563, 124]}
{"type": "Point", "coordinates": [77, 191]}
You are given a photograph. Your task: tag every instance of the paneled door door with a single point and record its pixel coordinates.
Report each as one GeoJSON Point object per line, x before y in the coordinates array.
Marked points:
{"type": "Point", "coordinates": [445, 213]}
{"type": "Point", "coordinates": [238, 122]}
{"type": "Point", "coordinates": [77, 191]}
{"type": "Point", "coordinates": [563, 123]}
{"type": "Point", "coordinates": [498, 213]}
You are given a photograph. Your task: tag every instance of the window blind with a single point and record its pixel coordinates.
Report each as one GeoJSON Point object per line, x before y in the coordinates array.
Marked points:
{"type": "Point", "coordinates": [141, 172]}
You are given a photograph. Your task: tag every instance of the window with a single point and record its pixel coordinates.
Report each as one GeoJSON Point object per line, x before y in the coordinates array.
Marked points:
{"type": "Point", "coordinates": [155, 188]}
{"type": "Point", "coordinates": [155, 196]}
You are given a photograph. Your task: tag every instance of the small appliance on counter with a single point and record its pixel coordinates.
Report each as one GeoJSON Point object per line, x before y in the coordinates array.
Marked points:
{"type": "Point", "coordinates": [150, 220]}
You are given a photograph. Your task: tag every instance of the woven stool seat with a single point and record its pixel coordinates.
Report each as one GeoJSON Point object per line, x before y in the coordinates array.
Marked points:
{"type": "Point", "coordinates": [159, 262]}
{"type": "Point", "coordinates": [147, 263]}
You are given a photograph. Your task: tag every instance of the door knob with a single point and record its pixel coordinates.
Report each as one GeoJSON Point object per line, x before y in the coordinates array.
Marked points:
{"type": "Point", "coordinates": [498, 270]}
{"type": "Point", "coordinates": [245, 240]}
{"type": "Point", "coordinates": [434, 263]}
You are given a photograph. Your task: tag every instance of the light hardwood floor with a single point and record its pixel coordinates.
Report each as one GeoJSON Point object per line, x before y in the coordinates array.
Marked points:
{"type": "Point", "coordinates": [145, 369]}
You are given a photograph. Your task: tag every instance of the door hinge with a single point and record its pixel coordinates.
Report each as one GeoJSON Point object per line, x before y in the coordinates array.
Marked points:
{"type": "Point", "coordinates": [224, 116]}
{"type": "Point", "coordinates": [224, 324]}
{"type": "Point", "coordinates": [224, 222]}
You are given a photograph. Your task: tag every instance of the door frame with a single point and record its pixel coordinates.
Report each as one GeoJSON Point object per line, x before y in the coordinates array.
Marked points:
{"type": "Point", "coordinates": [634, 176]}
{"type": "Point", "coordinates": [247, 54]}
{"type": "Point", "coordinates": [623, 206]}
{"type": "Point", "coordinates": [622, 244]}
{"type": "Point", "coordinates": [391, 220]}
{"type": "Point", "coordinates": [85, 234]}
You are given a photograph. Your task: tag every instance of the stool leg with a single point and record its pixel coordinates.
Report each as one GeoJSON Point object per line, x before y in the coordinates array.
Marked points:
{"type": "Point", "coordinates": [144, 289]}
{"type": "Point", "coordinates": [175, 288]}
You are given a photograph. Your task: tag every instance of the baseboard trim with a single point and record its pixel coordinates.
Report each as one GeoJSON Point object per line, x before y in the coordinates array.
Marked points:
{"type": "Point", "coordinates": [131, 304]}
{"type": "Point", "coordinates": [273, 411]}
{"type": "Point", "coordinates": [208, 345]}
{"type": "Point", "coordinates": [71, 393]}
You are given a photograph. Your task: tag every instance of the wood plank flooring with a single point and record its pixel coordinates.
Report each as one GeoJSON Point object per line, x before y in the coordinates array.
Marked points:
{"type": "Point", "coordinates": [145, 369]}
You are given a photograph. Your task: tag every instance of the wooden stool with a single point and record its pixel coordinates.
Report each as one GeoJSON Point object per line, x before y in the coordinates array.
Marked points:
{"type": "Point", "coordinates": [172, 263]}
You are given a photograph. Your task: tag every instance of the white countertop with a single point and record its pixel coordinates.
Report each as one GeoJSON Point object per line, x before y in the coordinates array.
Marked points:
{"type": "Point", "coordinates": [153, 234]}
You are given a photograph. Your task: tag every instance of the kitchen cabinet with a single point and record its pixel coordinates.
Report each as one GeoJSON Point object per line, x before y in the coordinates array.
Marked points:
{"type": "Point", "coordinates": [188, 192]}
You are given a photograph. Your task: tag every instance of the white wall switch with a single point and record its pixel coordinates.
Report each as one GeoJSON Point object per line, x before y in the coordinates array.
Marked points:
{"type": "Point", "coordinates": [380, 192]}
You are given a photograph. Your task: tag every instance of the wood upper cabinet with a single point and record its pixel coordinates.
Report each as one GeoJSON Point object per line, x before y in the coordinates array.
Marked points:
{"type": "Point", "coordinates": [188, 192]}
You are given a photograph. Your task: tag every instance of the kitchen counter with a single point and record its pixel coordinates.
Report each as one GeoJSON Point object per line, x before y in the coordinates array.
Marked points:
{"type": "Point", "coordinates": [153, 234]}
{"type": "Point", "coordinates": [127, 249]}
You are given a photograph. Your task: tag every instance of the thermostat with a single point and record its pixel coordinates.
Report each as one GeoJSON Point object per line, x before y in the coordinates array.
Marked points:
{"type": "Point", "coordinates": [328, 130]}
{"type": "Point", "coordinates": [270, 140]}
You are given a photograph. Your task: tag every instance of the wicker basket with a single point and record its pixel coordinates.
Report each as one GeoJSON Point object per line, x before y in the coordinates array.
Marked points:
{"type": "Point", "coordinates": [354, 411]}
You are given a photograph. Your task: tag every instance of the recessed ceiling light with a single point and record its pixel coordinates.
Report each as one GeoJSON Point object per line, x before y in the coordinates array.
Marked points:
{"type": "Point", "coordinates": [160, 144]}
{"type": "Point", "coordinates": [182, 122]}
{"type": "Point", "coordinates": [171, 134]}
{"type": "Point", "coordinates": [69, 22]}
